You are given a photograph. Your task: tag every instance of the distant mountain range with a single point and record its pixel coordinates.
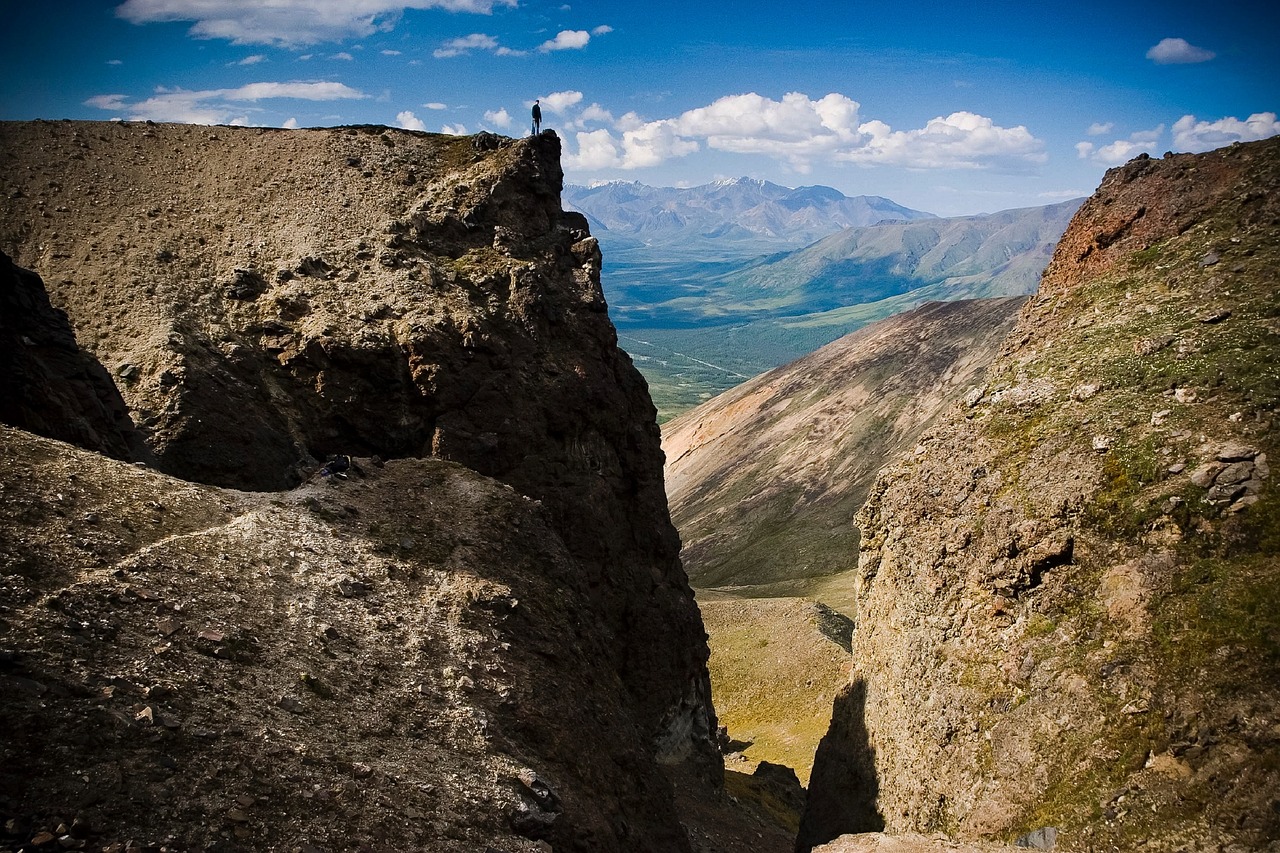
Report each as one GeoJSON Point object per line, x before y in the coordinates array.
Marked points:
{"type": "Point", "coordinates": [764, 215]}
{"type": "Point", "coordinates": [714, 284]}
{"type": "Point", "coordinates": [997, 254]}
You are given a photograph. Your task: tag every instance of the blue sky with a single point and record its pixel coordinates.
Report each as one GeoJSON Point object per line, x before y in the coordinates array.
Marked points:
{"type": "Point", "coordinates": [947, 107]}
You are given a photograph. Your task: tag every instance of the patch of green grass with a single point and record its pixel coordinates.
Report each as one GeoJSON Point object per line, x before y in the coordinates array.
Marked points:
{"type": "Point", "coordinates": [1221, 621]}
{"type": "Point", "coordinates": [1119, 509]}
{"type": "Point", "coordinates": [1073, 796]}
{"type": "Point", "coordinates": [1039, 625]}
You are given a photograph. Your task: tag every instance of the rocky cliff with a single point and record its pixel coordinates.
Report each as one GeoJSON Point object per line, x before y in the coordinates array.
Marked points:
{"type": "Point", "coordinates": [265, 300]}
{"type": "Point", "coordinates": [1068, 590]}
{"type": "Point", "coordinates": [48, 384]}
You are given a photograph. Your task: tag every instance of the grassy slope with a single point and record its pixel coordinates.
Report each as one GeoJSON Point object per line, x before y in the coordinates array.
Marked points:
{"type": "Point", "coordinates": [774, 674]}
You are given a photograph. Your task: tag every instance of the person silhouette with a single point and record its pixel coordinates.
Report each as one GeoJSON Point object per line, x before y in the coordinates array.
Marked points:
{"type": "Point", "coordinates": [537, 117]}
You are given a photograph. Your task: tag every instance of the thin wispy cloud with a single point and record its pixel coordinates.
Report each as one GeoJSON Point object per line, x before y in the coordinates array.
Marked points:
{"type": "Point", "coordinates": [1176, 51]}
{"type": "Point", "coordinates": [344, 56]}
{"type": "Point", "coordinates": [390, 52]}
{"type": "Point", "coordinates": [217, 106]}
{"type": "Point", "coordinates": [251, 60]}
{"type": "Point", "coordinates": [464, 45]}
{"type": "Point", "coordinates": [115, 62]}
{"type": "Point", "coordinates": [800, 131]}
{"type": "Point", "coordinates": [1098, 128]}
{"type": "Point", "coordinates": [290, 23]}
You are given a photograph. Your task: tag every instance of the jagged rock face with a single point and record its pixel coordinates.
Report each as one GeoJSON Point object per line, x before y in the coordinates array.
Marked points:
{"type": "Point", "coordinates": [405, 659]}
{"type": "Point", "coordinates": [268, 298]}
{"type": "Point", "coordinates": [764, 478]}
{"type": "Point", "coordinates": [1068, 590]}
{"type": "Point", "coordinates": [48, 385]}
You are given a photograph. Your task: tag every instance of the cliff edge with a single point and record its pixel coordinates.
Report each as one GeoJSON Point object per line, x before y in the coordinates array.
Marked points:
{"type": "Point", "coordinates": [1068, 590]}
{"type": "Point", "coordinates": [266, 300]}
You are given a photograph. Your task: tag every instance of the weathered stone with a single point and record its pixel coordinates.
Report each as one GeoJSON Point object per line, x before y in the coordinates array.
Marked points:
{"type": "Point", "coordinates": [48, 385]}
{"type": "Point", "coordinates": [1236, 472]}
{"type": "Point", "coordinates": [1236, 452]}
{"type": "Point", "coordinates": [1041, 839]}
{"type": "Point", "coordinates": [1204, 475]}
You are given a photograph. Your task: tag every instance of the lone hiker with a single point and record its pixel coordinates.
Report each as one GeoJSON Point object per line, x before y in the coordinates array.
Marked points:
{"type": "Point", "coordinates": [537, 117]}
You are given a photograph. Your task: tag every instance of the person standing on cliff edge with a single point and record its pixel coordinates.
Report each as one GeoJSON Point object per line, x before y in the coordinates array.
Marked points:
{"type": "Point", "coordinates": [537, 117]}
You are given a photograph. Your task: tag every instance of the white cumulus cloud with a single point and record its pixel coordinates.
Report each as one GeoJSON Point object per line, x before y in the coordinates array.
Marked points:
{"type": "Point", "coordinates": [218, 106]}
{"type": "Point", "coordinates": [799, 131]}
{"type": "Point", "coordinates": [601, 30]}
{"type": "Point", "coordinates": [795, 128]}
{"type": "Point", "coordinates": [436, 105]}
{"type": "Point", "coordinates": [962, 140]}
{"type": "Point", "coordinates": [1190, 134]}
{"type": "Point", "coordinates": [1098, 128]}
{"type": "Point", "coordinates": [498, 118]}
{"type": "Point", "coordinates": [566, 40]}
{"type": "Point", "coordinates": [1122, 150]}
{"type": "Point", "coordinates": [289, 22]}
{"type": "Point", "coordinates": [558, 102]}
{"type": "Point", "coordinates": [1175, 51]}
{"type": "Point", "coordinates": [409, 121]}
{"type": "Point", "coordinates": [454, 129]}
{"type": "Point", "coordinates": [595, 113]}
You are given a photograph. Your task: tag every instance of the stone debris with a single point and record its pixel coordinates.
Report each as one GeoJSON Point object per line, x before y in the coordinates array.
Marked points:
{"type": "Point", "coordinates": [876, 842]}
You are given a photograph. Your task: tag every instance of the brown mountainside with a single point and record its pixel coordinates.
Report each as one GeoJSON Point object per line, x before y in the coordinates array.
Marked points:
{"type": "Point", "coordinates": [1068, 592]}
{"type": "Point", "coordinates": [764, 479]}
{"type": "Point", "coordinates": [505, 596]}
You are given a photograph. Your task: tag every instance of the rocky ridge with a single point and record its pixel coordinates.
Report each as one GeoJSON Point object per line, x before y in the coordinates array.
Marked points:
{"type": "Point", "coordinates": [266, 299]}
{"type": "Point", "coordinates": [334, 667]}
{"type": "Point", "coordinates": [1067, 592]}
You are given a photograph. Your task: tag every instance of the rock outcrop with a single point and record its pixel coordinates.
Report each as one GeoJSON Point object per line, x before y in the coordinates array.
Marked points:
{"type": "Point", "coordinates": [267, 299]}
{"type": "Point", "coordinates": [406, 659]}
{"type": "Point", "coordinates": [1068, 590]}
{"type": "Point", "coordinates": [48, 385]}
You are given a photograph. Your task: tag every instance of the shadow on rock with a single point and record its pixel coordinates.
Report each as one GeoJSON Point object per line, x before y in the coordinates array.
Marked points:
{"type": "Point", "coordinates": [843, 787]}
